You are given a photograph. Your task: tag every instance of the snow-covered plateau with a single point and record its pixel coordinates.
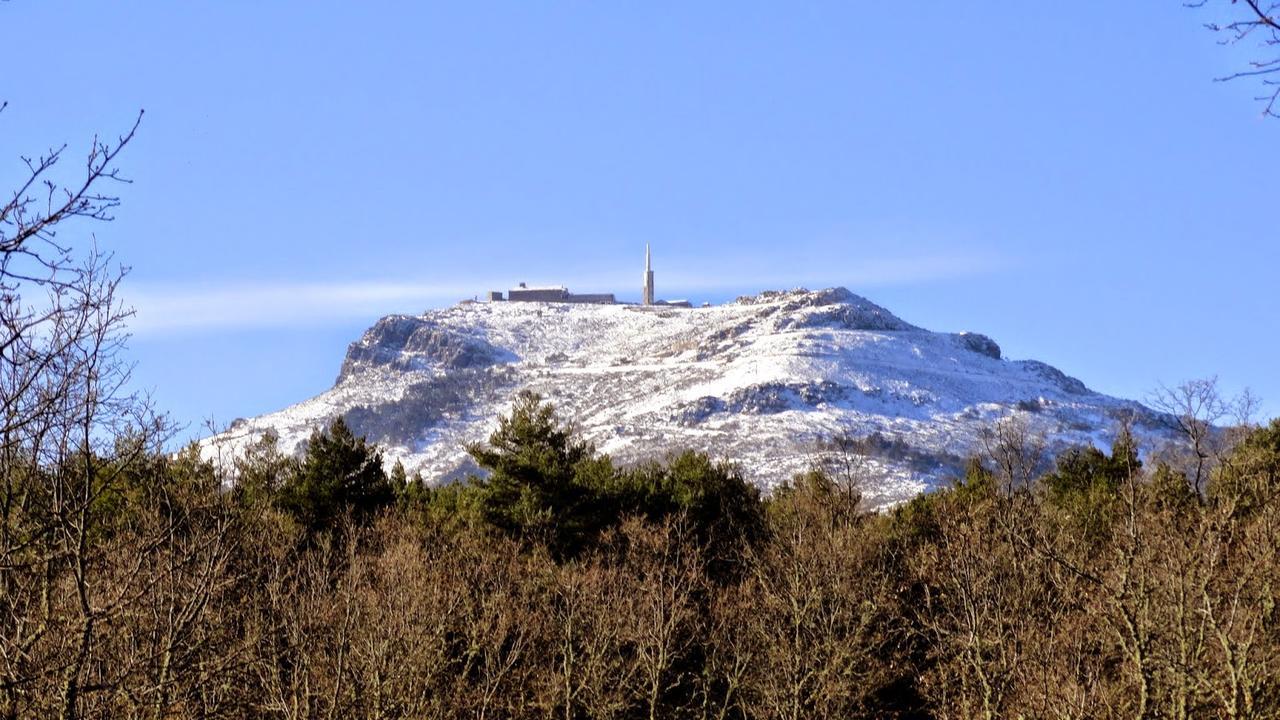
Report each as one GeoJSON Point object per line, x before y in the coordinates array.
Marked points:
{"type": "Point", "coordinates": [765, 381]}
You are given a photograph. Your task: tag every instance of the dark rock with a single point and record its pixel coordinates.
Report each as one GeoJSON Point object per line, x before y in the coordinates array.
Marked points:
{"type": "Point", "coordinates": [769, 398]}
{"type": "Point", "coordinates": [403, 342]}
{"type": "Point", "coordinates": [980, 344]}
{"type": "Point", "coordinates": [729, 333]}
{"type": "Point", "coordinates": [423, 406]}
{"type": "Point", "coordinates": [699, 410]}
{"type": "Point", "coordinates": [762, 399]}
{"type": "Point", "coordinates": [838, 308]}
{"type": "Point", "coordinates": [1032, 405]}
{"type": "Point", "coordinates": [1064, 381]}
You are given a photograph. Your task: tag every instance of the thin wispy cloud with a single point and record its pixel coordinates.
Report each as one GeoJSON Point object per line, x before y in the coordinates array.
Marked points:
{"type": "Point", "coordinates": [168, 308]}
{"type": "Point", "coordinates": [162, 309]}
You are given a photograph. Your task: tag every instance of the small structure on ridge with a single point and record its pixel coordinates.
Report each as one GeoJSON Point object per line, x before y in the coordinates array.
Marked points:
{"type": "Point", "coordinates": [561, 294]}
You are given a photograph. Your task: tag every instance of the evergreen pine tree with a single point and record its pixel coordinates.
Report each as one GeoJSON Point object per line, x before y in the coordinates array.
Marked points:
{"type": "Point", "coordinates": [340, 473]}
{"type": "Point", "coordinates": [532, 489]}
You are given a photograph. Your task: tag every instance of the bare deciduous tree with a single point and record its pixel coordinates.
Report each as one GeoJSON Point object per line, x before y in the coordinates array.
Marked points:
{"type": "Point", "coordinates": [69, 435]}
{"type": "Point", "coordinates": [1017, 450]}
{"type": "Point", "coordinates": [1196, 410]}
{"type": "Point", "coordinates": [1258, 22]}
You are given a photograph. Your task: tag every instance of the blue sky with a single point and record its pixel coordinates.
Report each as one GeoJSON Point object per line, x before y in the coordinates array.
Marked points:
{"type": "Point", "coordinates": [1065, 177]}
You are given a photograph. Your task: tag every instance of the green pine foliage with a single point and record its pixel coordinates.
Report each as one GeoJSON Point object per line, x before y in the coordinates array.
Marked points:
{"type": "Point", "coordinates": [1086, 482]}
{"type": "Point", "coordinates": [1085, 470]}
{"type": "Point", "coordinates": [716, 506]}
{"type": "Point", "coordinates": [1250, 479]}
{"type": "Point", "coordinates": [340, 474]}
{"type": "Point", "coordinates": [545, 485]}
{"type": "Point", "coordinates": [541, 478]}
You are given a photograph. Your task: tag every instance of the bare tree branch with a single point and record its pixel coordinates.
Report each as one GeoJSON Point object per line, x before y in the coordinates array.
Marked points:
{"type": "Point", "coordinates": [1258, 23]}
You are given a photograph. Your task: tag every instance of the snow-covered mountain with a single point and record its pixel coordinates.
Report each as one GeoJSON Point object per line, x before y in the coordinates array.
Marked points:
{"type": "Point", "coordinates": [765, 381]}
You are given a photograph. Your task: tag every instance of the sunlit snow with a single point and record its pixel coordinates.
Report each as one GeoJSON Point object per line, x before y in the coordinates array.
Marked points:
{"type": "Point", "coordinates": [760, 381]}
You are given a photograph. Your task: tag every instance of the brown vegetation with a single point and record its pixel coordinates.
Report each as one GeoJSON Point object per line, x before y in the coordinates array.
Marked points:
{"type": "Point", "coordinates": [1098, 590]}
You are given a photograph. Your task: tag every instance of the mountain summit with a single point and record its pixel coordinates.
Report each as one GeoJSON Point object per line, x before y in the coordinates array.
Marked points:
{"type": "Point", "coordinates": [767, 380]}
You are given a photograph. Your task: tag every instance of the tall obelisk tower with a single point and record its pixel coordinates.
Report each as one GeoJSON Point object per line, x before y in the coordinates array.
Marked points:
{"type": "Point", "coordinates": [646, 295]}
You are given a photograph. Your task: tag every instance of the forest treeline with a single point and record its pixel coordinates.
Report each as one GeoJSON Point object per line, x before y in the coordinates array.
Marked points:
{"type": "Point", "coordinates": [562, 586]}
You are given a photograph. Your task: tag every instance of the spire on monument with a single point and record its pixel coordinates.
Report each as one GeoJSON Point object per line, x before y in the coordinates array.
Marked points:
{"type": "Point", "coordinates": [646, 294]}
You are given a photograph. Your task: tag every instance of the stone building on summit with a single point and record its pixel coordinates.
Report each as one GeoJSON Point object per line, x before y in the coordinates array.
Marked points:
{"type": "Point", "coordinates": [556, 293]}
{"type": "Point", "coordinates": [561, 294]}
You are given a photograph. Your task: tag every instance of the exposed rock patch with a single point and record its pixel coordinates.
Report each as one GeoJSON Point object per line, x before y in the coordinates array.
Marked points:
{"type": "Point", "coordinates": [424, 405]}
{"type": "Point", "coordinates": [980, 344]}
{"type": "Point", "coordinates": [402, 342]}
{"type": "Point", "coordinates": [839, 308]}
{"type": "Point", "coordinates": [1064, 381]}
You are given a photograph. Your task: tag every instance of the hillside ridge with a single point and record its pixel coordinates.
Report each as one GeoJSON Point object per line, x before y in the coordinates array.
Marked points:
{"type": "Point", "coordinates": [766, 380]}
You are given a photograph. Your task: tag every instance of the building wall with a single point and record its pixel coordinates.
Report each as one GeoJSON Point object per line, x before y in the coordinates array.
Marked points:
{"type": "Point", "coordinates": [537, 294]}
{"type": "Point", "coordinates": [558, 295]}
{"type": "Point", "coordinates": [596, 298]}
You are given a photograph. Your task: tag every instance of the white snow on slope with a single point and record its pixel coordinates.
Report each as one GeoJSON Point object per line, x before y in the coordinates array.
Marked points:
{"type": "Point", "coordinates": [761, 381]}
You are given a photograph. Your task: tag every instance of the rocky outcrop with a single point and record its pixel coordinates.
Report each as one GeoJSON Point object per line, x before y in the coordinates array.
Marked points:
{"type": "Point", "coordinates": [1063, 381]}
{"type": "Point", "coordinates": [980, 344]}
{"type": "Point", "coordinates": [763, 399]}
{"type": "Point", "coordinates": [833, 307]}
{"type": "Point", "coordinates": [402, 342]}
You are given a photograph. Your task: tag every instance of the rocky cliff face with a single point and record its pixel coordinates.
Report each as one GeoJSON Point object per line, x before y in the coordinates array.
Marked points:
{"type": "Point", "coordinates": [766, 380]}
